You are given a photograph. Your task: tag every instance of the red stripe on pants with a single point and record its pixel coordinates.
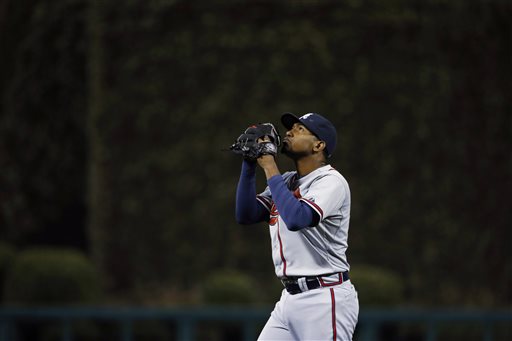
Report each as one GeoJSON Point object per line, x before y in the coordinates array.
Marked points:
{"type": "Point", "coordinates": [333, 307]}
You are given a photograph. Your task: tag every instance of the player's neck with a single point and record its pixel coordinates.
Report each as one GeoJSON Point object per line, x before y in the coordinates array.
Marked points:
{"type": "Point", "coordinates": [305, 166]}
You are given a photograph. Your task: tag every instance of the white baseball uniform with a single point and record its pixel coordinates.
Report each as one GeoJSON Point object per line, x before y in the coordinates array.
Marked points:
{"type": "Point", "coordinates": [329, 312]}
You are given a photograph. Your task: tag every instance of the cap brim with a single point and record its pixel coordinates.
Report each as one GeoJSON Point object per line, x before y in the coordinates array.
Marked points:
{"type": "Point", "coordinates": [288, 120]}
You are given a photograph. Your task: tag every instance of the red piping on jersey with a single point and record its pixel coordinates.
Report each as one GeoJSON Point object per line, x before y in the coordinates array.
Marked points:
{"type": "Point", "coordinates": [281, 249]}
{"type": "Point", "coordinates": [333, 309]}
{"type": "Point", "coordinates": [274, 215]}
{"type": "Point", "coordinates": [317, 208]}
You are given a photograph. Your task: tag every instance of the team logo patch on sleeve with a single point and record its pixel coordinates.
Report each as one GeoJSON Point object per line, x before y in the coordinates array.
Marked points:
{"type": "Point", "coordinates": [274, 215]}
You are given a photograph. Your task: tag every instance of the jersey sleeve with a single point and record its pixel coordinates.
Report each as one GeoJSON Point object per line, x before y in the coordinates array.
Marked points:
{"type": "Point", "coordinates": [265, 198]}
{"type": "Point", "coordinates": [326, 195]}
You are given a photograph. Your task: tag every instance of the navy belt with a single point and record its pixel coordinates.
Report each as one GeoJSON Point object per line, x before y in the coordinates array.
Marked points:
{"type": "Point", "coordinates": [296, 285]}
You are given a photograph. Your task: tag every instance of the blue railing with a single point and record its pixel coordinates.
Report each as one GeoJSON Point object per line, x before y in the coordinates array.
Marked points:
{"type": "Point", "coordinates": [432, 321]}
{"type": "Point", "coordinates": [249, 320]}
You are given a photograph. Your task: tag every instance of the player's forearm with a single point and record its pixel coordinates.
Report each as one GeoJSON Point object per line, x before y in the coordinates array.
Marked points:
{"type": "Point", "coordinates": [271, 171]}
{"type": "Point", "coordinates": [248, 210]}
{"type": "Point", "coordinates": [269, 166]}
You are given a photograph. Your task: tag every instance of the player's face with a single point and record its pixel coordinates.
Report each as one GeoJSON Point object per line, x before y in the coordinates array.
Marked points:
{"type": "Point", "coordinates": [299, 141]}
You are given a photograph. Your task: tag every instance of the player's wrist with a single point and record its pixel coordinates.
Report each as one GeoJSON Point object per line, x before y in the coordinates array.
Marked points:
{"type": "Point", "coordinates": [271, 170]}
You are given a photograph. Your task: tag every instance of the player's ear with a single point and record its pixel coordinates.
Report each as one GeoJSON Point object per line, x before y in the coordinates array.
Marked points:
{"type": "Point", "coordinates": [319, 146]}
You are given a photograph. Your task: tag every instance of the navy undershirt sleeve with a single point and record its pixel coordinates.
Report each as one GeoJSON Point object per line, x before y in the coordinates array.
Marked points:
{"type": "Point", "coordinates": [295, 213]}
{"type": "Point", "coordinates": [248, 209]}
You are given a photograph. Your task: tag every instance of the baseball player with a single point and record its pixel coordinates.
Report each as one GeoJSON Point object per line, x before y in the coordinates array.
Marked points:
{"type": "Point", "coordinates": [308, 212]}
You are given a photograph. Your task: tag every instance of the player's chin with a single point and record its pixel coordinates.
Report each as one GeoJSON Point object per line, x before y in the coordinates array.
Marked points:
{"type": "Point", "coordinates": [292, 154]}
{"type": "Point", "coordinates": [286, 150]}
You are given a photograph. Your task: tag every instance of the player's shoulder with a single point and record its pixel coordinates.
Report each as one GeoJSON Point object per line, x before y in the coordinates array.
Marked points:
{"type": "Point", "coordinates": [329, 170]}
{"type": "Point", "coordinates": [329, 173]}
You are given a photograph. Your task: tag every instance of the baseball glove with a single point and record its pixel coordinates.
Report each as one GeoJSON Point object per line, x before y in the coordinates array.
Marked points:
{"type": "Point", "coordinates": [248, 146]}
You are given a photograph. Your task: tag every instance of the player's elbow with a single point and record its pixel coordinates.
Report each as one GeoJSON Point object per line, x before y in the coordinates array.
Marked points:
{"type": "Point", "coordinates": [295, 226]}
{"type": "Point", "coordinates": [297, 222]}
{"type": "Point", "coordinates": [244, 219]}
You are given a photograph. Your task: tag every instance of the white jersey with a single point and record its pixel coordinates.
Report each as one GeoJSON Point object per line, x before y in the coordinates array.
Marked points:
{"type": "Point", "coordinates": [319, 249]}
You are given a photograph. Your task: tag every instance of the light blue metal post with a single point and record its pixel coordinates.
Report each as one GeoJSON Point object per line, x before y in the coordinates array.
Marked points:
{"type": "Point", "coordinates": [487, 331]}
{"type": "Point", "coordinates": [126, 330]}
{"type": "Point", "coordinates": [186, 330]}
{"type": "Point", "coordinates": [431, 331]}
{"type": "Point", "coordinates": [368, 331]}
{"type": "Point", "coordinates": [67, 334]}
{"type": "Point", "coordinates": [249, 331]}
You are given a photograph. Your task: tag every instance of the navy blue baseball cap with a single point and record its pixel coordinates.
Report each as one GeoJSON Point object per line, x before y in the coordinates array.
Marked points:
{"type": "Point", "coordinates": [317, 124]}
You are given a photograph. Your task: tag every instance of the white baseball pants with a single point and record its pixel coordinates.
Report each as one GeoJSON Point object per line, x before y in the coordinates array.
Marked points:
{"type": "Point", "coordinates": [326, 313]}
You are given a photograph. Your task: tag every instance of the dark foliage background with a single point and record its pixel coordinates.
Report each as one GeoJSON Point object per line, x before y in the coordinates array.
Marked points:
{"type": "Point", "coordinates": [114, 115]}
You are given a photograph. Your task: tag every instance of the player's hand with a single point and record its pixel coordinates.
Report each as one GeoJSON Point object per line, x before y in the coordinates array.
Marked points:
{"type": "Point", "coordinates": [267, 162]}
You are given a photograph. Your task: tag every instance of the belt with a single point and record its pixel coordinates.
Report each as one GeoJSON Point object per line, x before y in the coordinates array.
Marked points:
{"type": "Point", "coordinates": [296, 285]}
